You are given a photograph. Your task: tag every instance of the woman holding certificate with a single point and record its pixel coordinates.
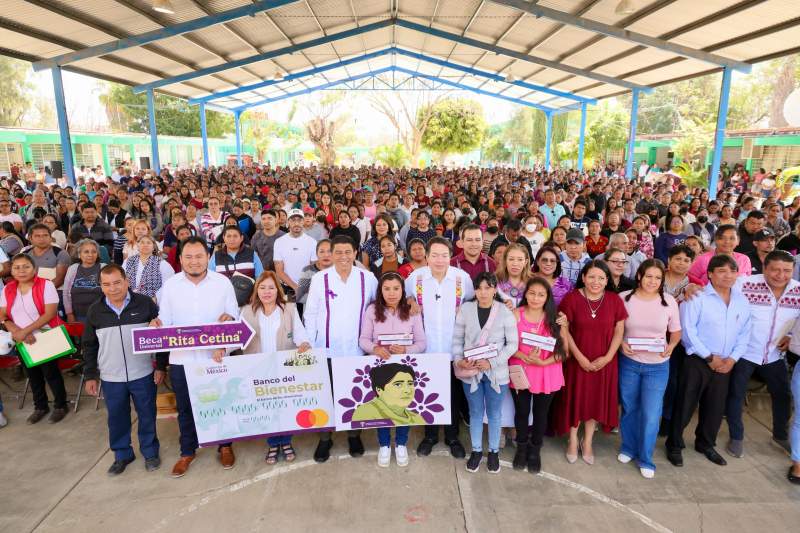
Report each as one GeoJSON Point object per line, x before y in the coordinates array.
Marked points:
{"type": "Point", "coordinates": [484, 337]}
{"type": "Point", "coordinates": [27, 304]}
{"type": "Point", "coordinates": [596, 323]}
{"type": "Point", "coordinates": [644, 366]}
{"type": "Point", "coordinates": [276, 326]}
{"type": "Point", "coordinates": [389, 328]}
{"type": "Point", "coordinates": [535, 369]}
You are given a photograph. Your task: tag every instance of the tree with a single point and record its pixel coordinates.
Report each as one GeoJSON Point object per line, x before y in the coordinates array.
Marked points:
{"type": "Point", "coordinates": [15, 91]}
{"type": "Point", "coordinates": [456, 125]}
{"type": "Point", "coordinates": [607, 130]}
{"type": "Point", "coordinates": [394, 156]}
{"type": "Point", "coordinates": [127, 111]}
{"type": "Point", "coordinates": [323, 126]}
{"type": "Point", "coordinates": [494, 150]}
{"type": "Point", "coordinates": [693, 138]}
{"type": "Point", "coordinates": [783, 86]}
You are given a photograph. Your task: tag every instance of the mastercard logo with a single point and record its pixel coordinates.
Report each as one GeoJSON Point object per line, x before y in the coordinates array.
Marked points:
{"type": "Point", "coordinates": [308, 418]}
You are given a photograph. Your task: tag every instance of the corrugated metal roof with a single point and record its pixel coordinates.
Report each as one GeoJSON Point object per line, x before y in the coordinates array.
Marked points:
{"type": "Point", "coordinates": [736, 29]}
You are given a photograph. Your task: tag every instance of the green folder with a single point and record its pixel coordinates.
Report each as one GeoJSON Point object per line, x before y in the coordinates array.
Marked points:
{"type": "Point", "coordinates": [50, 344]}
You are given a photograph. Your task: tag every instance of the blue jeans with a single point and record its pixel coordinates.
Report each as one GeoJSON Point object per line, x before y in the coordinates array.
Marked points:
{"type": "Point", "coordinates": [400, 436]}
{"type": "Point", "coordinates": [795, 432]}
{"type": "Point", "coordinates": [118, 396]}
{"type": "Point", "coordinates": [641, 392]}
{"type": "Point", "coordinates": [279, 440]}
{"type": "Point", "coordinates": [1, 404]}
{"type": "Point", "coordinates": [485, 398]}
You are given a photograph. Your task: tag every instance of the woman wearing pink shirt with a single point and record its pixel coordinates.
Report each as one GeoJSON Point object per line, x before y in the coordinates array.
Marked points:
{"type": "Point", "coordinates": [390, 314]}
{"type": "Point", "coordinates": [644, 367]}
{"type": "Point", "coordinates": [725, 240]}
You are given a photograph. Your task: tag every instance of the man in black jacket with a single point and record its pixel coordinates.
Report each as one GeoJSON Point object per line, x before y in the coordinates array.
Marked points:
{"type": "Point", "coordinates": [115, 215]}
{"type": "Point", "coordinates": [108, 354]}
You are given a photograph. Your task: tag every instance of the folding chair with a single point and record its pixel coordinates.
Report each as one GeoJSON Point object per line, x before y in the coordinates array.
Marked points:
{"type": "Point", "coordinates": [7, 362]}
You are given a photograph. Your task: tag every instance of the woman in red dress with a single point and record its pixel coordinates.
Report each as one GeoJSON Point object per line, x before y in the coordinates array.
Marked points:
{"type": "Point", "coordinates": [596, 325]}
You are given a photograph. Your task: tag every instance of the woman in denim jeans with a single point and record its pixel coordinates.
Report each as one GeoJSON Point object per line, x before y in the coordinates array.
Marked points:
{"type": "Point", "coordinates": [479, 323]}
{"type": "Point", "coordinates": [643, 373]}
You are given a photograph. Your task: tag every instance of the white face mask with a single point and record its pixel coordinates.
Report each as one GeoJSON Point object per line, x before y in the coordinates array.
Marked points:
{"type": "Point", "coordinates": [530, 228]}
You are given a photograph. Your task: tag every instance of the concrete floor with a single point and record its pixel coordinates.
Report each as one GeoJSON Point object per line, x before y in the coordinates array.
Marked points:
{"type": "Point", "coordinates": [54, 480]}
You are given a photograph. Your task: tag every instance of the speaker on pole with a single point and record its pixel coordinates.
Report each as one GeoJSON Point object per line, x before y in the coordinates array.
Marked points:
{"type": "Point", "coordinates": [56, 170]}
{"type": "Point", "coordinates": [144, 163]}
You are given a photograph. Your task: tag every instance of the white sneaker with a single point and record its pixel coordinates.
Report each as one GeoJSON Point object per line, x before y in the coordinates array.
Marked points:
{"type": "Point", "coordinates": [647, 473]}
{"type": "Point", "coordinates": [624, 458]}
{"type": "Point", "coordinates": [384, 456]}
{"type": "Point", "coordinates": [401, 455]}
{"type": "Point", "coordinates": [3, 420]}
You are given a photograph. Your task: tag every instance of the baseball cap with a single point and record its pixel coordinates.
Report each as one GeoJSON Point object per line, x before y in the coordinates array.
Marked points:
{"type": "Point", "coordinates": [295, 213]}
{"type": "Point", "coordinates": [763, 234]}
{"type": "Point", "coordinates": [575, 235]}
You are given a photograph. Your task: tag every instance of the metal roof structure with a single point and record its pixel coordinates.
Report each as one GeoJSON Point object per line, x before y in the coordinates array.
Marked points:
{"type": "Point", "coordinates": [554, 55]}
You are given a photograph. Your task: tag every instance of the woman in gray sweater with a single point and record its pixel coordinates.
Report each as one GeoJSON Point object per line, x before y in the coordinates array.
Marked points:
{"type": "Point", "coordinates": [485, 336]}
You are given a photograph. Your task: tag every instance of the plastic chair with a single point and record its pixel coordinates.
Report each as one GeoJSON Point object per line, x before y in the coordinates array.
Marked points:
{"type": "Point", "coordinates": [8, 362]}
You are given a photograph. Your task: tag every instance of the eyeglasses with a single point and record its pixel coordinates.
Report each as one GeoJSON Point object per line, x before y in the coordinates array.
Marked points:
{"type": "Point", "coordinates": [619, 261]}
{"type": "Point", "coordinates": [546, 261]}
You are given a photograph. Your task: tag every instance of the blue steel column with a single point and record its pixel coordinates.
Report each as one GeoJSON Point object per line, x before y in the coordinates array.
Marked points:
{"type": "Point", "coordinates": [237, 119]}
{"type": "Point", "coordinates": [632, 135]}
{"type": "Point", "coordinates": [719, 136]}
{"type": "Point", "coordinates": [204, 133]}
{"type": "Point", "coordinates": [151, 115]}
{"type": "Point", "coordinates": [582, 138]}
{"type": "Point", "coordinates": [63, 125]}
{"type": "Point", "coordinates": [548, 135]}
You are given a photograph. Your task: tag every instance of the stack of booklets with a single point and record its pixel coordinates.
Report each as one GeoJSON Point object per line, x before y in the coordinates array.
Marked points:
{"type": "Point", "coordinates": [644, 344]}
{"type": "Point", "coordinates": [487, 351]}
{"type": "Point", "coordinates": [398, 339]}
{"type": "Point", "coordinates": [538, 341]}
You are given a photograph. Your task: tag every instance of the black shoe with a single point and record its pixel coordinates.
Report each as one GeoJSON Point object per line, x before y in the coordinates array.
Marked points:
{"type": "Point", "coordinates": [493, 462]}
{"type": "Point", "coordinates": [521, 457]}
{"type": "Point", "coordinates": [474, 461]}
{"type": "Point", "coordinates": [457, 449]}
{"type": "Point", "coordinates": [534, 459]}
{"type": "Point", "coordinates": [57, 415]}
{"type": "Point", "coordinates": [323, 451]}
{"type": "Point", "coordinates": [425, 447]}
{"type": "Point", "coordinates": [356, 447]}
{"type": "Point", "coordinates": [712, 455]}
{"type": "Point", "coordinates": [792, 478]}
{"type": "Point", "coordinates": [152, 464]}
{"type": "Point", "coordinates": [675, 457]}
{"type": "Point", "coordinates": [119, 466]}
{"type": "Point", "coordinates": [37, 415]}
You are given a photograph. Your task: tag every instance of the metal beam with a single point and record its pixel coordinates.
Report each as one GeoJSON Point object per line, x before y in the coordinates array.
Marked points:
{"type": "Point", "coordinates": [632, 135]}
{"type": "Point", "coordinates": [63, 125]}
{"type": "Point", "coordinates": [582, 138]}
{"type": "Point", "coordinates": [267, 55]}
{"type": "Point", "coordinates": [204, 134]}
{"type": "Point", "coordinates": [626, 35]}
{"type": "Point", "coordinates": [151, 115]}
{"type": "Point", "coordinates": [518, 55]}
{"type": "Point", "coordinates": [548, 135]}
{"type": "Point", "coordinates": [163, 33]}
{"type": "Point", "coordinates": [719, 135]}
{"type": "Point", "coordinates": [237, 120]}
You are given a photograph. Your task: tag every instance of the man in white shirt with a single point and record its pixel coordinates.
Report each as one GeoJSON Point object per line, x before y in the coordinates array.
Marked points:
{"type": "Point", "coordinates": [439, 290]}
{"type": "Point", "coordinates": [293, 252]}
{"type": "Point", "coordinates": [336, 302]}
{"type": "Point", "coordinates": [195, 296]}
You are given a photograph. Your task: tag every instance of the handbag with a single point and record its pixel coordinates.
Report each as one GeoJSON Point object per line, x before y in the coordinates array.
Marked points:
{"type": "Point", "coordinates": [519, 380]}
{"type": "Point", "coordinates": [242, 286]}
{"type": "Point", "coordinates": [467, 373]}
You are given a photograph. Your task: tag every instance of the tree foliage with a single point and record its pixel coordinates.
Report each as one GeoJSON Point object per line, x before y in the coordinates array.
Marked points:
{"type": "Point", "coordinates": [456, 125]}
{"type": "Point", "coordinates": [15, 91]}
{"type": "Point", "coordinates": [394, 155]}
{"type": "Point", "coordinates": [127, 111]}
{"type": "Point", "coordinates": [494, 150]}
{"type": "Point", "coordinates": [607, 130]}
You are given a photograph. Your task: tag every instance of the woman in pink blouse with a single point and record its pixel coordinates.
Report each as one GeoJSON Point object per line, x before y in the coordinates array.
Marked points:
{"type": "Point", "coordinates": [644, 368]}
{"type": "Point", "coordinates": [390, 314]}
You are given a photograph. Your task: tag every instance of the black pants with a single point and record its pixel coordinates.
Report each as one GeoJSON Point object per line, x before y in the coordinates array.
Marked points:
{"type": "Point", "coordinates": [675, 366]}
{"type": "Point", "coordinates": [47, 373]}
{"type": "Point", "coordinates": [522, 407]}
{"type": "Point", "coordinates": [776, 376]}
{"type": "Point", "coordinates": [698, 384]}
{"type": "Point", "coordinates": [328, 435]}
{"type": "Point", "coordinates": [186, 427]}
{"type": "Point", "coordinates": [457, 402]}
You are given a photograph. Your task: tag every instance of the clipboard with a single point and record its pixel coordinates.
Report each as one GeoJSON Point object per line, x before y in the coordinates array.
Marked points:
{"type": "Point", "coordinates": [50, 344]}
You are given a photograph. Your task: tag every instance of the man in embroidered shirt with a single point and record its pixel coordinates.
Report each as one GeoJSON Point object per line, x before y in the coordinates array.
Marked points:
{"type": "Point", "coordinates": [471, 259]}
{"type": "Point", "coordinates": [439, 290]}
{"type": "Point", "coordinates": [336, 301]}
{"type": "Point", "coordinates": [716, 330]}
{"type": "Point", "coordinates": [774, 306]}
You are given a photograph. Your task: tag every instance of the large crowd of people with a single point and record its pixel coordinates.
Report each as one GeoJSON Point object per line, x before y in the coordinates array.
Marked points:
{"type": "Point", "coordinates": [654, 301]}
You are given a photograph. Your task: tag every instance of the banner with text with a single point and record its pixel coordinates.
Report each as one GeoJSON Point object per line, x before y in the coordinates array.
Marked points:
{"type": "Point", "coordinates": [201, 337]}
{"type": "Point", "coordinates": [259, 395]}
{"type": "Point", "coordinates": [404, 390]}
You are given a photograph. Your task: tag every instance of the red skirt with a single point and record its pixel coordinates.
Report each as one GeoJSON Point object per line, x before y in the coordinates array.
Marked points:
{"type": "Point", "coordinates": [587, 396]}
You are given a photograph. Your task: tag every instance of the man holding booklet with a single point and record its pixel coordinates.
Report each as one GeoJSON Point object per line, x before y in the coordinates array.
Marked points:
{"type": "Point", "coordinates": [108, 353]}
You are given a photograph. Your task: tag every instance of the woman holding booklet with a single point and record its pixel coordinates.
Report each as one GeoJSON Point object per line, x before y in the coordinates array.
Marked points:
{"type": "Point", "coordinates": [388, 328]}
{"type": "Point", "coordinates": [535, 369]}
{"type": "Point", "coordinates": [644, 366]}
{"type": "Point", "coordinates": [484, 337]}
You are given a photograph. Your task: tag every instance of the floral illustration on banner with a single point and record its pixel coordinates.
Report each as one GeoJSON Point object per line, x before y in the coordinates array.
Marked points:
{"type": "Point", "coordinates": [425, 405]}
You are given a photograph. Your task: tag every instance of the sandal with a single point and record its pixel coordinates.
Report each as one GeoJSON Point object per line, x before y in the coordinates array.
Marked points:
{"type": "Point", "coordinates": [288, 452]}
{"type": "Point", "coordinates": [272, 455]}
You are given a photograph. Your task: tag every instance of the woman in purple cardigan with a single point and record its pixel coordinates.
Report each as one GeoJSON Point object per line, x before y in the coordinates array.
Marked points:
{"type": "Point", "coordinates": [390, 314]}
